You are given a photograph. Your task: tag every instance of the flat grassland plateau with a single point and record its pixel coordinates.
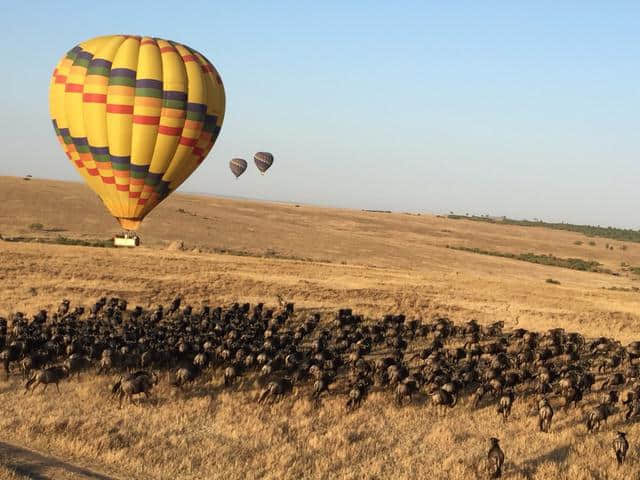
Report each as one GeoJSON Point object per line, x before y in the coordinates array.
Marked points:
{"type": "Point", "coordinates": [320, 259]}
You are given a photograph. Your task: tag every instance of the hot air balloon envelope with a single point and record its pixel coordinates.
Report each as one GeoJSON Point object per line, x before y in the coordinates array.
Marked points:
{"type": "Point", "coordinates": [263, 160]}
{"type": "Point", "coordinates": [238, 166]}
{"type": "Point", "coordinates": [136, 116]}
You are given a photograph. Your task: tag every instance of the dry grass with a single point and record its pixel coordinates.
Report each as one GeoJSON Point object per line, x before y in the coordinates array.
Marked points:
{"type": "Point", "coordinates": [8, 473]}
{"type": "Point", "coordinates": [194, 435]}
{"type": "Point", "coordinates": [394, 263]}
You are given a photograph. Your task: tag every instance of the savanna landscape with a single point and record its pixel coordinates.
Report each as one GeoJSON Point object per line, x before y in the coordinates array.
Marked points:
{"type": "Point", "coordinates": [217, 251]}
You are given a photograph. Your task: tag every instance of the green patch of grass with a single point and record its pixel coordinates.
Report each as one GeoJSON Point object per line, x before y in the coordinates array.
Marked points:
{"type": "Point", "coordinates": [60, 240]}
{"type": "Point", "coordinates": [622, 289]}
{"type": "Point", "coordinates": [551, 260]}
{"type": "Point", "coordinates": [621, 234]}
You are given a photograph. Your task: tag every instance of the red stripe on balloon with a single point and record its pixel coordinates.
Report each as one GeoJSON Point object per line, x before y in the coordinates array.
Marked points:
{"type": "Point", "coordinates": [189, 58]}
{"type": "Point", "coordinates": [94, 98]}
{"type": "Point", "coordinates": [189, 142]}
{"type": "Point", "coordinates": [108, 180]}
{"type": "Point", "coordinates": [146, 120]}
{"type": "Point", "coordinates": [73, 87]}
{"type": "Point", "coordinates": [122, 188]}
{"type": "Point", "coordinates": [112, 108]}
{"type": "Point", "coordinates": [93, 172]}
{"type": "Point", "coordinates": [173, 131]}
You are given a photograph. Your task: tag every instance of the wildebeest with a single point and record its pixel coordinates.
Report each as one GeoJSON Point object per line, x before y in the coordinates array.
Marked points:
{"type": "Point", "coordinates": [47, 376]}
{"type": "Point", "coordinates": [441, 399]}
{"type": "Point", "coordinates": [505, 403]}
{"type": "Point", "coordinates": [275, 390]}
{"type": "Point", "coordinates": [620, 447]}
{"type": "Point", "coordinates": [596, 416]}
{"type": "Point", "coordinates": [134, 384]}
{"type": "Point", "coordinates": [496, 458]}
{"type": "Point", "coordinates": [545, 415]}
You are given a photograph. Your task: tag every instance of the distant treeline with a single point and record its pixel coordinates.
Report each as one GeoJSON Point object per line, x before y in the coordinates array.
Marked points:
{"type": "Point", "coordinates": [621, 234]}
{"type": "Point", "coordinates": [571, 263]}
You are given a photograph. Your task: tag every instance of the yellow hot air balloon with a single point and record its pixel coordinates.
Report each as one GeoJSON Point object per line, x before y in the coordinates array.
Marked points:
{"type": "Point", "coordinates": [136, 116]}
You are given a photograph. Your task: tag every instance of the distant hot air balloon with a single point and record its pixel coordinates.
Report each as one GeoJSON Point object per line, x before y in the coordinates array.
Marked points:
{"type": "Point", "coordinates": [238, 166]}
{"type": "Point", "coordinates": [136, 116]}
{"type": "Point", "coordinates": [263, 160]}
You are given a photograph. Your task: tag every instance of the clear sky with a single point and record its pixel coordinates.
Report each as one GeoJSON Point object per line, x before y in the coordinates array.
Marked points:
{"type": "Point", "coordinates": [525, 109]}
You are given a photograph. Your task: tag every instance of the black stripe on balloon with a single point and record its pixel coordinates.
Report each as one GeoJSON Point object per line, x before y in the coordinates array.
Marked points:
{"type": "Point", "coordinates": [100, 62]}
{"type": "Point", "coordinates": [99, 150]}
{"type": "Point", "coordinates": [123, 72]}
{"type": "Point", "coordinates": [173, 95]}
{"type": "Point", "coordinates": [149, 83]}
{"type": "Point", "coordinates": [139, 168]}
{"type": "Point", "coordinates": [153, 178]}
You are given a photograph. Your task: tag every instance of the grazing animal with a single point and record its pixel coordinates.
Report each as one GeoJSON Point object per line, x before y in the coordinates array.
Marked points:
{"type": "Point", "coordinates": [321, 385]}
{"type": "Point", "coordinates": [275, 390]}
{"type": "Point", "coordinates": [405, 391]}
{"type": "Point", "coordinates": [571, 395]}
{"type": "Point", "coordinates": [75, 364]}
{"type": "Point", "coordinates": [47, 376]}
{"type": "Point", "coordinates": [496, 458]}
{"type": "Point", "coordinates": [505, 404]}
{"type": "Point", "coordinates": [620, 447]}
{"type": "Point", "coordinates": [230, 375]}
{"type": "Point", "coordinates": [134, 384]}
{"type": "Point", "coordinates": [596, 416]}
{"type": "Point", "coordinates": [356, 395]}
{"type": "Point", "coordinates": [184, 375]}
{"type": "Point", "coordinates": [477, 395]}
{"type": "Point", "coordinates": [441, 399]}
{"type": "Point", "coordinates": [545, 415]}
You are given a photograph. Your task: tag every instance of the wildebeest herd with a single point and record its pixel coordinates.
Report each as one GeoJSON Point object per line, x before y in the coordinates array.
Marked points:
{"type": "Point", "coordinates": [340, 354]}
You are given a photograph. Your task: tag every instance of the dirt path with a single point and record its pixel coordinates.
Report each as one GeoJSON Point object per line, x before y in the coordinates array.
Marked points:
{"type": "Point", "coordinates": [38, 466]}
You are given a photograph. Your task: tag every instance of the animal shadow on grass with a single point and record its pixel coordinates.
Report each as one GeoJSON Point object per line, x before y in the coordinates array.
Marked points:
{"type": "Point", "coordinates": [559, 454]}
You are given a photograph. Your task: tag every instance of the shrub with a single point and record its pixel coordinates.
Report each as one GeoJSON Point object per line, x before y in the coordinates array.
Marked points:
{"type": "Point", "coordinates": [550, 259]}
{"type": "Point", "coordinates": [36, 226]}
{"type": "Point", "coordinates": [578, 242]}
{"type": "Point", "coordinates": [552, 281]}
{"type": "Point", "coordinates": [592, 243]}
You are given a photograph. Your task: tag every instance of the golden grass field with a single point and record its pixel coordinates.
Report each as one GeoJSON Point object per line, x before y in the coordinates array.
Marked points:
{"type": "Point", "coordinates": [322, 259]}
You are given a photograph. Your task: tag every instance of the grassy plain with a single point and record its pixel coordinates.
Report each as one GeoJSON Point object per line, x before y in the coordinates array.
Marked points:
{"type": "Point", "coordinates": [323, 259]}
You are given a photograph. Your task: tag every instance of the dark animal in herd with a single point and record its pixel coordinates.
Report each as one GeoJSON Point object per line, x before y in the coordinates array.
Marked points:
{"type": "Point", "coordinates": [620, 447]}
{"type": "Point", "coordinates": [496, 458]}
{"type": "Point", "coordinates": [286, 352]}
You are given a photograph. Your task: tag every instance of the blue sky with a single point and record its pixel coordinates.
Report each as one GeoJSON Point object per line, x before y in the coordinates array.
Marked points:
{"type": "Point", "coordinates": [524, 109]}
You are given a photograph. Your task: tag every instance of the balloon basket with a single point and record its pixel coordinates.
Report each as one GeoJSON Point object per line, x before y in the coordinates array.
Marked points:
{"type": "Point", "coordinates": [126, 239]}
